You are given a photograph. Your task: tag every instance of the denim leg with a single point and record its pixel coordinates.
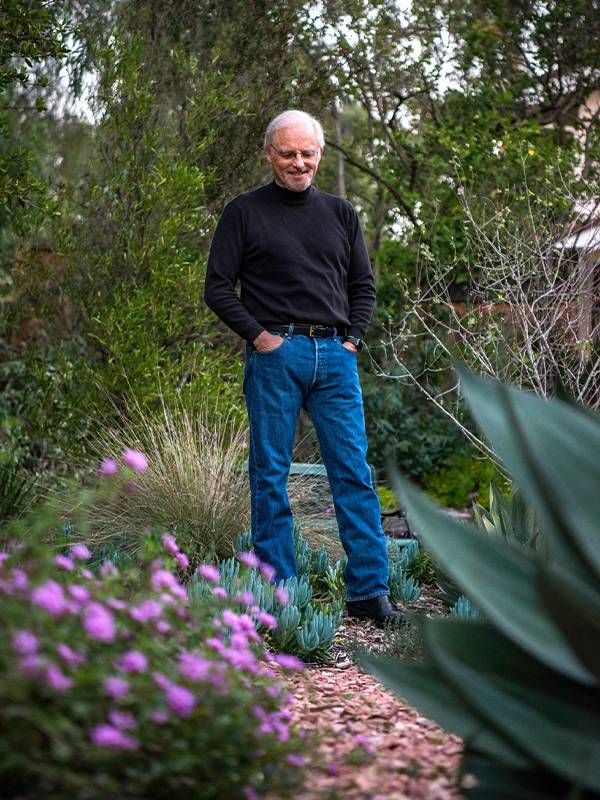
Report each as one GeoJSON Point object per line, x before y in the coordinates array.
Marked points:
{"type": "Point", "coordinates": [273, 400]}
{"type": "Point", "coordinates": [336, 408]}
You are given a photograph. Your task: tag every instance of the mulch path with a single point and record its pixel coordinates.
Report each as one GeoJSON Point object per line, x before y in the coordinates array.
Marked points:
{"type": "Point", "coordinates": [372, 746]}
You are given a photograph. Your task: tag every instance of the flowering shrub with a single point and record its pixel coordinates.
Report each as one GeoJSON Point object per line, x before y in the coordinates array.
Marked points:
{"type": "Point", "coordinates": [112, 684]}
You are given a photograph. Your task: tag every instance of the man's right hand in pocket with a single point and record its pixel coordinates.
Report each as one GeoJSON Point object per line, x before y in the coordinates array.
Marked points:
{"type": "Point", "coordinates": [265, 342]}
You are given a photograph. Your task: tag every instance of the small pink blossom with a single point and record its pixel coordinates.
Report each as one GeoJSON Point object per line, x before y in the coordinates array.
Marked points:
{"type": "Point", "coordinates": [268, 620]}
{"type": "Point", "coordinates": [288, 662]}
{"type": "Point", "coordinates": [245, 598]}
{"type": "Point", "coordinates": [80, 552]}
{"type": "Point", "coordinates": [161, 681]}
{"type": "Point", "coordinates": [282, 596]}
{"type": "Point", "coordinates": [209, 573]}
{"type": "Point", "coordinates": [64, 562]}
{"type": "Point", "coordinates": [99, 623]}
{"type": "Point", "coordinates": [182, 561]}
{"type": "Point", "coordinates": [132, 661]}
{"type": "Point", "coordinates": [363, 742]}
{"type": "Point", "coordinates": [148, 610]}
{"type": "Point", "coordinates": [220, 593]}
{"type": "Point", "coordinates": [79, 593]}
{"type": "Point", "coordinates": [180, 700]}
{"type": "Point", "coordinates": [162, 626]}
{"type": "Point", "coordinates": [122, 720]}
{"type": "Point", "coordinates": [70, 656]}
{"type": "Point", "coordinates": [163, 579]}
{"type": "Point", "coordinates": [112, 738]}
{"type": "Point", "coordinates": [250, 793]}
{"type": "Point", "coordinates": [116, 687]}
{"type": "Point", "coordinates": [134, 459]}
{"type": "Point", "coordinates": [194, 667]}
{"type": "Point", "coordinates": [295, 760]}
{"type": "Point", "coordinates": [87, 574]}
{"type": "Point", "coordinates": [56, 679]}
{"type": "Point", "coordinates": [107, 467]}
{"type": "Point", "coordinates": [30, 666]}
{"type": "Point", "coordinates": [170, 544]}
{"type": "Point", "coordinates": [50, 597]}
{"type": "Point", "coordinates": [248, 559]}
{"type": "Point", "coordinates": [116, 603]}
{"type": "Point", "coordinates": [24, 643]}
{"type": "Point", "coordinates": [268, 572]}
{"type": "Point", "coordinates": [108, 568]}
{"type": "Point", "coordinates": [19, 578]}
{"type": "Point", "coordinates": [159, 716]}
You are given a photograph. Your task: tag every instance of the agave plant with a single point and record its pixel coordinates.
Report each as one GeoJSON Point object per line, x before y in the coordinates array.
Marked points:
{"type": "Point", "coordinates": [521, 686]}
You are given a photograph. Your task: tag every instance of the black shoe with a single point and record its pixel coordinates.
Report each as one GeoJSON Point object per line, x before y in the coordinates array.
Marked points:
{"type": "Point", "coordinates": [379, 609]}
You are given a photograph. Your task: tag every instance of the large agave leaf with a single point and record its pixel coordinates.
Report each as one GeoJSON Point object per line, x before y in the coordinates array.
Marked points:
{"type": "Point", "coordinates": [423, 686]}
{"type": "Point", "coordinates": [498, 782]}
{"type": "Point", "coordinates": [551, 450]}
{"type": "Point", "coordinates": [555, 720]}
{"type": "Point", "coordinates": [576, 611]}
{"type": "Point", "coordinates": [499, 579]}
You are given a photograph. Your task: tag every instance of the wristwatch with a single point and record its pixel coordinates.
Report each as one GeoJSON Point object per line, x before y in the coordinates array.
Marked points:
{"type": "Point", "coordinates": [358, 343]}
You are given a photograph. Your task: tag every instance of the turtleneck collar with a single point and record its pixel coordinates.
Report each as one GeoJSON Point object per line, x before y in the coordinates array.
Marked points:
{"type": "Point", "coordinates": [292, 198]}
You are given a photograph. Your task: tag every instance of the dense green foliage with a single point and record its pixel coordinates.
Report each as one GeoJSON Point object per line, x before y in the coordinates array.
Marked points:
{"type": "Point", "coordinates": [534, 660]}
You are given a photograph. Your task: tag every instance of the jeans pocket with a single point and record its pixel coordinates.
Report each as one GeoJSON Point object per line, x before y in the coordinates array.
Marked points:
{"type": "Point", "coordinates": [264, 353]}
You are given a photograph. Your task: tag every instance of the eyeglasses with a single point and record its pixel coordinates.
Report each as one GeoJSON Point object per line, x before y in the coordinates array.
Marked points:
{"type": "Point", "coordinates": [290, 155]}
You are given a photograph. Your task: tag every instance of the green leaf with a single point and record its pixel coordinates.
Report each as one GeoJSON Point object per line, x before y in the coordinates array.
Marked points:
{"type": "Point", "coordinates": [551, 450]}
{"type": "Point", "coordinates": [425, 688]}
{"type": "Point", "coordinates": [499, 579]}
{"type": "Point", "coordinates": [576, 611]}
{"type": "Point", "coordinates": [555, 720]}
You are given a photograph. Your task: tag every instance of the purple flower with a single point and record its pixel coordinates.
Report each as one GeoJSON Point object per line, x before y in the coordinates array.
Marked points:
{"type": "Point", "coordinates": [250, 793]}
{"type": "Point", "coordinates": [268, 620]}
{"type": "Point", "coordinates": [194, 667]}
{"type": "Point", "coordinates": [108, 466]}
{"type": "Point", "coordinates": [122, 720]}
{"type": "Point", "coordinates": [268, 572]}
{"type": "Point", "coordinates": [149, 609]}
{"type": "Point", "coordinates": [135, 460]}
{"type": "Point", "coordinates": [288, 662]}
{"type": "Point", "coordinates": [162, 626]}
{"type": "Point", "coordinates": [132, 661]}
{"type": "Point", "coordinates": [282, 596]}
{"type": "Point", "coordinates": [116, 687]}
{"type": "Point", "coordinates": [87, 573]}
{"type": "Point", "coordinates": [116, 603]}
{"type": "Point", "coordinates": [248, 559]}
{"type": "Point", "coordinates": [295, 760]}
{"type": "Point", "coordinates": [64, 562]}
{"type": "Point", "coordinates": [99, 623]}
{"type": "Point", "coordinates": [180, 700]}
{"type": "Point", "coordinates": [50, 597]}
{"type": "Point", "coordinates": [112, 738]}
{"type": "Point", "coordinates": [57, 680]}
{"type": "Point", "coordinates": [245, 598]}
{"type": "Point", "coordinates": [19, 579]}
{"type": "Point", "coordinates": [70, 656]}
{"type": "Point", "coordinates": [24, 643]}
{"type": "Point", "coordinates": [182, 560]}
{"type": "Point", "coordinates": [159, 716]}
{"type": "Point", "coordinates": [163, 579]}
{"type": "Point", "coordinates": [220, 592]}
{"type": "Point", "coordinates": [363, 742]}
{"type": "Point", "coordinates": [79, 593]}
{"type": "Point", "coordinates": [162, 681]}
{"type": "Point", "coordinates": [80, 552]}
{"type": "Point", "coordinates": [108, 568]}
{"type": "Point", "coordinates": [30, 666]}
{"type": "Point", "coordinates": [170, 544]}
{"type": "Point", "coordinates": [209, 573]}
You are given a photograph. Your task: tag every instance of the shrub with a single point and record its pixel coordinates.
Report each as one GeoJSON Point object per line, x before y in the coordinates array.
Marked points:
{"type": "Point", "coordinates": [461, 480]}
{"type": "Point", "coordinates": [115, 685]}
{"type": "Point", "coordinates": [194, 483]}
{"type": "Point", "coordinates": [521, 686]}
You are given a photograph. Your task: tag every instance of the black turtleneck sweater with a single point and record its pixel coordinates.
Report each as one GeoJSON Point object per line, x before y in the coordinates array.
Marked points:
{"type": "Point", "coordinates": [299, 257]}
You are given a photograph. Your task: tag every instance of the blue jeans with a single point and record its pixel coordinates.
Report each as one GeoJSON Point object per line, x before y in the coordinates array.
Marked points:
{"type": "Point", "coordinates": [322, 376]}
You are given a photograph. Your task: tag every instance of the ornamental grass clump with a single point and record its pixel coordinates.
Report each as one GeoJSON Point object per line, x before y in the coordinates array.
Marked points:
{"type": "Point", "coordinates": [114, 685]}
{"type": "Point", "coordinates": [194, 482]}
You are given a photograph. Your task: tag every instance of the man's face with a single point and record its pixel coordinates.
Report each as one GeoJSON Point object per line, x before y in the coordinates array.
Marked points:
{"type": "Point", "coordinates": [294, 173]}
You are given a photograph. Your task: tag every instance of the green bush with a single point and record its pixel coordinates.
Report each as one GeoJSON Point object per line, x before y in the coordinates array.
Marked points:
{"type": "Point", "coordinates": [116, 683]}
{"type": "Point", "coordinates": [522, 686]}
{"type": "Point", "coordinates": [464, 478]}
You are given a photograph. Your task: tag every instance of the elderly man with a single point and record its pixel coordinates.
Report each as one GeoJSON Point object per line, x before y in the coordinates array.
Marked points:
{"type": "Point", "coordinates": [307, 295]}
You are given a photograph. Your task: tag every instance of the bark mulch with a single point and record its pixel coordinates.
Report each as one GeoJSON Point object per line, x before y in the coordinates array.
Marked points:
{"type": "Point", "coordinates": [372, 746]}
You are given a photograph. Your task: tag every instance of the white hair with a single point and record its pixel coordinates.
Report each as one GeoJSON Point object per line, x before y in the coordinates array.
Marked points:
{"type": "Point", "coordinates": [293, 117]}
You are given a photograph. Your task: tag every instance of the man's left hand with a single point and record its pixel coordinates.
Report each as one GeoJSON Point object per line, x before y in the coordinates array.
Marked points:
{"type": "Point", "coordinates": [350, 346]}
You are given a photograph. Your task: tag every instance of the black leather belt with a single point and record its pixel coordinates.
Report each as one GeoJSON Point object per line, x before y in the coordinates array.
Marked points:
{"type": "Point", "coordinates": [316, 331]}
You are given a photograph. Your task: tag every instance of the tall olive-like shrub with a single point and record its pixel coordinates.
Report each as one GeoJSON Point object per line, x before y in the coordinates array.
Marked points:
{"type": "Point", "coordinates": [523, 687]}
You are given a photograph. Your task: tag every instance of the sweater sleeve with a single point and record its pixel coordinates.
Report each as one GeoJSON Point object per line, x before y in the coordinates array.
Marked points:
{"type": "Point", "coordinates": [361, 282]}
{"type": "Point", "coordinates": [222, 274]}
